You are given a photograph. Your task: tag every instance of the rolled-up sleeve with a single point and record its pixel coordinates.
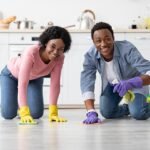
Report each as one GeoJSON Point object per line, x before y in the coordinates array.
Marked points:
{"type": "Point", "coordinates": [148, 73]}
{"type": "Point", "coordinates": [88, 77]}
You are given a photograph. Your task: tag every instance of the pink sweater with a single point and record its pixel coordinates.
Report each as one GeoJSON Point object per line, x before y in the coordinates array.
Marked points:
{"type": "Point", "coordinates": [30, 66]}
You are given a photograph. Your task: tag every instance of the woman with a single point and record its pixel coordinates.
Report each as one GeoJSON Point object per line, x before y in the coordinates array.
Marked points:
{"type": "Point", "coordinates": [22, 78]}
{"type": "Point", "coordinates": [115, 61]}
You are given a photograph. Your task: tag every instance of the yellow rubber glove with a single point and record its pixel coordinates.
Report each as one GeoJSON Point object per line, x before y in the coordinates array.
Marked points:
{"type": "Point", "coordinates": [53, 114]}
{"type": "Point", "coordinates": [25, 117]}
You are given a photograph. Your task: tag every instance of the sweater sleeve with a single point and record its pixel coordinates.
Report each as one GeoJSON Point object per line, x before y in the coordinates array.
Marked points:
{"type": "Point", "coordinates": [23, 77]}
{"type": "Point", "coordinates": [55, 82]}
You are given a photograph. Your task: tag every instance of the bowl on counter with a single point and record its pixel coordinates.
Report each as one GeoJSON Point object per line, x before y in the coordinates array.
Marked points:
{"type": "Point", "coordinates": [4, 26]}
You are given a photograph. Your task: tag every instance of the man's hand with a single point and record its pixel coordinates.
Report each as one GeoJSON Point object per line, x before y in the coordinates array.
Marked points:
{"type": "Point", "coordinates": [92, 117]}
{"type": "Point", "coordinates": [123, 86]}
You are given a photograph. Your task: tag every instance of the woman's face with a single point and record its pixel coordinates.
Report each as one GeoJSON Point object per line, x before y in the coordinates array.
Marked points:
{"type": "Point", "coordinates": [54, 48]}
{"type": "Point", "coordinates": [104, 42]}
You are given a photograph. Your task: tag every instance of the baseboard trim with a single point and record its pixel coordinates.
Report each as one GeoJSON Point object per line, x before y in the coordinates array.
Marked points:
{"type": "Point", "coordinates": [71, 106]}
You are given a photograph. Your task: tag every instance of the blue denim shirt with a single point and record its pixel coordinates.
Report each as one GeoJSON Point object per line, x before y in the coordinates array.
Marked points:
{"type": "Point", "coordinates": [128, 63]}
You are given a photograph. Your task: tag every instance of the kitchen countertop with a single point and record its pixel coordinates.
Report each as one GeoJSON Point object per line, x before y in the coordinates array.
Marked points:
{"type": "Point", "coordinates": [76, 31]}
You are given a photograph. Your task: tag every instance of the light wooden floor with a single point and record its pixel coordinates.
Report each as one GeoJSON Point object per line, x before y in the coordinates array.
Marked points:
{"type": "Point", "coordinates": [119, 134]}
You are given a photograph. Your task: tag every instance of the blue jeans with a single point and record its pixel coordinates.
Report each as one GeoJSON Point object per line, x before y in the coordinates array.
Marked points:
{"type": "Point", "coordinates": [110, 108]}
{"type": "Point", "coordinates": [9, 96]}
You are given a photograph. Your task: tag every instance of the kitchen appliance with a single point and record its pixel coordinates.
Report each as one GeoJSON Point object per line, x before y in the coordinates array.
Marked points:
{"type": "Point", "coordinates": [50, 24]}
{"type": "Point", "coordinates": [86, 20]}
{"type": "Point", "coordinates": [25, 24]}
{"type": "Point", "coordinates": [19, 41]}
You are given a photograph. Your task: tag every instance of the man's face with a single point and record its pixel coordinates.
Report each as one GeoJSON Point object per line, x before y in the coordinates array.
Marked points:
{"type": "Point", "coordinates": [104, 42]}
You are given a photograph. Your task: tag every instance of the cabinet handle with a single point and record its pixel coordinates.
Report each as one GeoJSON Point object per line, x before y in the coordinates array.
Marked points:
{"type": "Point", "coordinates": [35, 38]}
{"type": "Point", "coordinates": [22, 38]}
{"type": "Point", "coordinates": [142, 38]}
{"type": "Point", "coordinates": [19, 54]}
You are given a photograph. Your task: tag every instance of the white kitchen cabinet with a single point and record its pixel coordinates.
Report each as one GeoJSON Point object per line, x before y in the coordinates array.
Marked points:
{"type": "Point", "coordinates": [46, 91]}
{"type": "Point", "coordinates": [73, 66]}
{"type": "Point", "coordinates": [141, 41]}
{"type": "Point", "coordinates": [3, 49]}
{"type": "Point", "coordinates": [119, 36]}
{"type": "Point", "coordinates": [71, 75]}
{"type": "Point", "coordinates": [19, 41]}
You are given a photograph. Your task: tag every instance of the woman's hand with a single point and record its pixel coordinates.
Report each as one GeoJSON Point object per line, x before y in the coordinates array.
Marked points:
{"type": "Point", "coordinates": [53, 114]}
{"type": "Point", "coordinates": [25, 117]}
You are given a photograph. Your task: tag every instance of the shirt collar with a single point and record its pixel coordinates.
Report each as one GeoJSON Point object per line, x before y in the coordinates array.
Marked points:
{"type": "Point", "coordinates": [116, 50]}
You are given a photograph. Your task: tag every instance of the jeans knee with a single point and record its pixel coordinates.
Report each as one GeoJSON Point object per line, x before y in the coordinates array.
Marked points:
{"type": "Point", "coordinates": [139, 115]}
{"type": "Point", "coordinates": [107, 114]}
{"type": "Point", "coordinates": [8, 116]}
{"type": "Point", "coordinates": [37, 115]}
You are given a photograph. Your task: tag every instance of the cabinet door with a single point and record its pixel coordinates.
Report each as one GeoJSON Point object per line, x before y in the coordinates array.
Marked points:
{"type": "Point", "coordinates": [16, 50]}
{"type": "Point", "coordinates": [73, 67]}
{"type": "Point", "coordinates": [119, 36]}
{"type": "Point", "coordinates": [23, 38]}
{"type": "Point", "coordinates": [141, 41]}
{"type": "Point", "coordinates": [3, 56]}
{"type": "Point", "coordinates": [3, 49]}
{"type": "Point", "coordinates": [46, 91]}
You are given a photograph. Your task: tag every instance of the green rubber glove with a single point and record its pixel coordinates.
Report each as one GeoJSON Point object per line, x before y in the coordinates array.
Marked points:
{"type": "Point", "coordinates": [53, 114]}
{"type": "Point", "coordinates": [129, 96]}
{"type": "Point", "coordinates": [148, 98]}
{"type": "Point", "coordinates": [25, 117]}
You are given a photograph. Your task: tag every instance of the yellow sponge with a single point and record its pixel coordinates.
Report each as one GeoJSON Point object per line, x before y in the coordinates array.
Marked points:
{"type": "Point", "coordinates": [28, 123]}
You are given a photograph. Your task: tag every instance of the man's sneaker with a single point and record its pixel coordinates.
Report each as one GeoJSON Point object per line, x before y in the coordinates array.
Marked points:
{"type": "Point", "coordinates": [126, 109]}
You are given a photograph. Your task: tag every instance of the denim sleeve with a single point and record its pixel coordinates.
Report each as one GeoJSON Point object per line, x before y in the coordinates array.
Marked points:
{"type": "Point", "coordinates": [88, 75]}
{"type": "Point", "coordinates": [136, 60]}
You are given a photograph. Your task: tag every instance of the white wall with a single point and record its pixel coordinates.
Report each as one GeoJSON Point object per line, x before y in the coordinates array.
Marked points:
{"type": "Point", "coordinates": [119, 13]}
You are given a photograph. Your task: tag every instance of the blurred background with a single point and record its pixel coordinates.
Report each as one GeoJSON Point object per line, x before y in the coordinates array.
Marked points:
{"type": "Point", "coordinates": [120, 13]}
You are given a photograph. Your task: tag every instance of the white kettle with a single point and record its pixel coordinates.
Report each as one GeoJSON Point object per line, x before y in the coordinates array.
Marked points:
{"type": "Point", "coordinates": [87, 20]}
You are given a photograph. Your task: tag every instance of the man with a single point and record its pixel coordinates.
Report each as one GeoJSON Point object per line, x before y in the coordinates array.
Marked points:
{"type": "Point", "coordinates": [119, 61]}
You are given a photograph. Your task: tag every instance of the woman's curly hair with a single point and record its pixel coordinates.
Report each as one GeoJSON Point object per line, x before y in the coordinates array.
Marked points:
{"type": "Point", "coordinates": [56, 32]}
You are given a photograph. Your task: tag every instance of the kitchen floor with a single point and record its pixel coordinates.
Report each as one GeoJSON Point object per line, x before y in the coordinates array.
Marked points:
{"type": "Point", "coordinates": [117, 134]}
